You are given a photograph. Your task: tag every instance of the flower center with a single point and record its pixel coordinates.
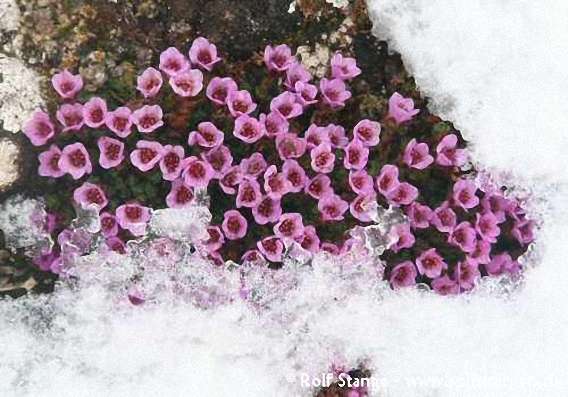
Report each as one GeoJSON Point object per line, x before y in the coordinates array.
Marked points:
{"type": "Point", "coordinates": [204, 57]}
{"type": "Point", "coordinates": [112, 150]}
{"type": "Point", "coordinates": [97, 115]}
{"type": "Point", "coordinates": [148, 121]}
{"type": "Point", "coordinates": [95, 196]}
{"type": "Point", "coordinates": [54, 162]}
{"type": "Point", "coordinates": [147, 155]}
{"type": "Point", "coordinates": [133, 213]}
{"type": "Point", "coordinates": [171, 161]}
{"type": "Point", "coordinates": [197, 170]}
{"type": "Point", "coordinates": [184, 195]}
{"type": "Point", "coordinates": [78, 159]}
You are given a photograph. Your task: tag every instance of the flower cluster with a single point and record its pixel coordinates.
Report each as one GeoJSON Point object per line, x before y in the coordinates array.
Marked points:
{"type": "Point", "coordinates": [278, 172]}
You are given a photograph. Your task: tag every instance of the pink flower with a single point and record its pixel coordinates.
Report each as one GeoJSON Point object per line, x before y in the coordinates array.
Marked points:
{"type": "Point", "coordinates": [219, 88]}
{"type": "Point", "coordinates": [70, 116]}
{"type": "Point", "coordinates": [401, 237]}
{"type": "Point", "coordinates": [75, 160]}
{"type": "Point", "coordinates": [356, 155]}
{"type": "Point", "coordinates": [148, 118]}
{"type": "Point", "coordinates": [268, 210]}
{"type": "Point", "coordinates": [464, 237]}
{"type": "Point", "coordinates": [216, 238]}
{"type": "Point", "coordinates": [467, 272]}
{"type": "Point", "coordinates": [188, 83]}
{"type": "Point", "coordinates": [254, 165]}
{"type": "Point", "coordinates": [248, 129]}
{"type": "Point", "coordinates": [203, 54]}
{"type": "Point", "coordinates": [387, 180]}
{"type": "Point", "coordinates": [444, 218]}
{"type": "Point", "coordinates": [117, 245]}
{"type": "Point", "coordinates": [109, 225]}
{"type": "Point", "coordinates": [296, 73]}
{"type": "Point", "coordinates": [49, 163]}
{"type": "Point", "coordinates": [111, 152]}
{"type": "Point", "coordinates": [171, 162]}
{"type": "Point", "coordinates": [319, 186]}
{"type": "Point", "coordinates": [445, 286]}
{"type": "Point", "coordinates": [290, 146]}
{"type": "Point", "coordinates": [430, 263]}
{"type": "Point", "coordinates": [295, 174]}
{"type": "Point", "coordinates": [316, 135]}
{"type": "Point", "coordinates": [309, 240]}
{"type": "Point", "coordinates": [464, 194]}
{"type": "Point", "coordinates": [497, 204]}
{"type": "Point", "coordinates": [368, 132]}
{"type": "Point", "coordinates": [337, 136]}
{"type": "Point", "coordinates": [196, 172]}
{"type": "Point", "coordinates": [523, 231]}
{"type": "Point", "coordinates": [403, 194]}
{"type": "Point", "coordinates": [94, 112]}
{"type": "Point", "coordinates": [89, 195]}
{"type": "Point", "coordinates": [486, 226]}
{"type": "Point", "coordinates": [207, 135]}
{"type": "Point", "coordinates": [286, 105]}
{"type": "Point", "coordinates": [361, 182]}
{"type": "Point", "coordinates": [274, 124]}
{"type": "Point", "coordinates": [481, 252]}
{"type": "Point", "coordinates": [66, 84]}
{"type": "Point", "coordinates": [234, 225]}
{"type": "Point", "coordinates": [448, 153]}
{"type": "Point", "coordinates": [230, 179]}
{"type": "Point", "coordinates": [289, 226]}
{"type": "Point", "coordinates": [39, 128]}
{"type": "Point", "coordinates": [173, 62]}
{"type": "Point", "coordinates": [401, 109]}
{"type": "Point", "coordinates": [276, 184]}
{"type": "Point", "coordinates": [344, 68]}
{"type": "Point", "coordinates": [240, 102]}
{"type": "Point", "coordinates": [416, 155]}
{"type": "Point", "coordinates": [272, 248]}
{"type": "Point", "coordinates": [323, 159]}
{"type": "Point", "coordinates": [133, 217]}
{"type": "Point", "coordinates": [149, 82]}
{"type": "Point", "coordinates": [180, 195]}
{"type": "Point", "coordinates": [330, 248]}
{"type": "Point", "coordinates": [362, 207]}
{"type": "Point", "coordinates": [419, 215]}
{"type": "Point", "coordinates": [252, 257]}
{"type": "Point", "coordinates": [248, 194]}
{"type": "Point", "coordinates": [334, 92]}
{"type": "Point", "coordinates": [403, 275]}
{"type": "Point", "coordinates": [332, 207]}
{"type": "Point", "coordinates": [119, 121]}
{"type": "Point", "coordinates": [306, 93]}
{"type": "Point", "coordinates": [146, 155]}
{"type": "Point", "coordinates": [220, 159]}
{"type": "Point", "coordinates": [278, 58]}
{"type": "Point", "coordinates": [502, 263]}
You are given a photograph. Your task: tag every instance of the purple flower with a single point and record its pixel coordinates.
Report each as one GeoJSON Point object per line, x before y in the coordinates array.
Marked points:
{"type": "Point", "coordinates": [497, 204]}
{"type": "Point", "coordinates": [401, 109]}
{"type": "Point", "coordinates": [90, 195]}
{"type": "Point", "coordinates": [119, 121]}
{"type": "Point", "coordinates": [368, 132]}
{"type": "Point", "coordinates": [279, 58]}
{"type": "Point", "coordinates": [430, 263]}
{"type": "Point", "coordinates": [295, 174]}
{"type": "Point", "coordinates": [39, 128]}
{"type": "Point", "coordinates": [309, 240]}
{"type": "Point", "coordinates": [66, 84]}
{"type": "Point", "coordinates": [133, 217]}
{"type": "Point", "coordinates": [146, 155]}
{"type": "Point", "coordinates": [207, 135]}
{"type": "Point", "coordinates": [148, 118]}
{"type": "Point", "coordinates": [464, 194]}
{"type": "Point", "coordinates": [219, 88]}
{"type": "Point", "coordinates": [296, 73]}
{"type": "Point", "coordinates": [330, 248]}
{"type": "Point", "coordinates": [117, 245]}
{"type": "Point", "coordinates": [361, 182]}
{"type": "Point", "coordinates": [417, 155]}
{"type": "Point", "coordinates": [419, 215]}
{"type": "Point", "coordinates": [502, 263]}
{"type": "Point", "coordinates": [197, 173]}
{"type": "Point", "coordinates": [481, 252]}
{"type": "Point", "coordinates": [149, 82]}
{"type": "Point", "coordinates": [274, 124]}
{"type": "Point", "coordinates": [467, 272]}
{"type": "Point", "coordinates": [94, 112]}
{"type": "Point", "coordinates": [49, 262]}
{"type": "Point", "coordinates": [254, 165]}
{"type": "Point", "coordinates": [240, 102]}
{"type": "Point", "coordinates": [403, 275]}
{"type": "Point", "coordinates": [75, 160]}
{"type": "Point", "coordinates": [173, 62]}
{"type": "Point", "coordinates": [289, 226]}
{"type": "Point", "coordinates": [448, 153]}
{"type": "Point", "coordinates": [234, 225]}
{"type": "Point", "coordinates": [276, 184]}
{"type": "Point", "coordinates": [268, 210]}
{"type": "Point", "coordinates": [337, 136]}
{"type": "Point", "coordinates": [286, 105]}
{"type": "Point", "coordinates": [445, 286]}
{"type": "Point", "coordinates": [362, 207]}
{"type": "Point", "coordinates": [220, 160]}
{"type": "Point", "coordinates": [486, 226]}
{"type": "Point", "coordinates": [523, 231]}
{"type": "Point", "coordinates": [403, 194]}
{"type": "Point", "coordinates": [216, 238]}
{"type": "Point", "coordinates": [401, 237]}
{"type": "Point", "coordinates": [252, 257]}
{"type": "Point", "coordinates": [180, 195]}
{"type": "Point", "coordinates": [444, 218]}
{"type": "Point", "coordinates": [109, 225]}
{"type": "Point", "coordinates": [290, 146]}
{"type": "Point", "coordinates": [356, 155]}
{"type": "Point", "coordinates": [230, 179]}
{"type": "Point", "coordinates": [188, 83]}
{"type": "Point", "coordinates": [344, 68]}
{"type": "Point", "coordinates": [463, 236]}
{"type": "Point", "coordinates": [203, 54]}
{"type": "Point", "coordinates": [387, 180]}
{"type": "Point", "coordinates": [334, 92]}
{"type": "Point", "coordinates": [319, 186]}
{"type": "Point", "coordinates": [248, 194]}
{"type": "Point", "coordinates": [272, 248]}
{"type": "Point", "coordinates": [111, 152]}
{"type": "Point", "coordinates": [316, 135]}
{"type": "Point", "coordinates": [171, 162]}
{"type": "Point", "coordinates": [332, 207]}
{"type": "Point", "coordinates": [248, 129]}
{"type": "Point", "coordinates": [323, 159]}
{"type": "Point", "coordinates": [306, 93]}
{"type": "Point", "coordinates": [70, 116]}
{"type": "Point", "coordinates": [49, 163]}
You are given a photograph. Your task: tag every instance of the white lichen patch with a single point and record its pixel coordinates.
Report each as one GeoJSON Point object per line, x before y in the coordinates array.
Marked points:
{"type": "Point", "coordinates": [8, 164]}
{"type": "Point", "coordinates": [9, 16]}
{"type": "Point", "coordinates": [315, 61]}
{"type": "Point", "coordinates": [338, 3]}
